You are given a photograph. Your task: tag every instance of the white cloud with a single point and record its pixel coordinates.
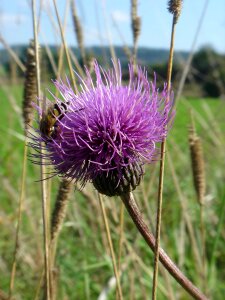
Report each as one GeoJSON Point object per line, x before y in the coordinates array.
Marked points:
{"type": "Point", "coordinates": [10, 18]}
{"type": "Point", "coordinates": [48, 5]}
{"type": "Point", "coordinates": [92, 36]}
{"type": "Point", "coordinates": [120, 16]}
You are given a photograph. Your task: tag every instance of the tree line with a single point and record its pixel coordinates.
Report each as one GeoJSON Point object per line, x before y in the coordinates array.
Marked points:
{"type": "Point", "coordinates": [206, 73]}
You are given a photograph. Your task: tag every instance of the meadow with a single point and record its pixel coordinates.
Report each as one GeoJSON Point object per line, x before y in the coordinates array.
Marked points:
{"type": "Point", "coordinates": [83, 264]}
{"type": "Point", "coordinates": [62, 240]}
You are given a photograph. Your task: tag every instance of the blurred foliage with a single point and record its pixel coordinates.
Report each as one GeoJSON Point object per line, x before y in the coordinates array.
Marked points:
{"type": "Point", "coordinates": [207, 71]}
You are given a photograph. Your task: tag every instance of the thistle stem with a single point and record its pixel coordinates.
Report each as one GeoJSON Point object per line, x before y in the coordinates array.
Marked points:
{"type": "Point", "coordinates": [137, 218]}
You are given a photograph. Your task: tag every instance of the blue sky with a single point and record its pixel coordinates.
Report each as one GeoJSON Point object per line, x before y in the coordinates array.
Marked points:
{"type": "Point", "coordinates": [96, 17]}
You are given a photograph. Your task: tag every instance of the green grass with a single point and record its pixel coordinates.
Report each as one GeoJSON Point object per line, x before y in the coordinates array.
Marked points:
{"type": "Point", "coordinates": [83, 261]}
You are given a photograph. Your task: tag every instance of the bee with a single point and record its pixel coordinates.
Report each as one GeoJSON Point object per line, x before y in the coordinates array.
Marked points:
{"type": "Point", "coordinates": [49, 126]}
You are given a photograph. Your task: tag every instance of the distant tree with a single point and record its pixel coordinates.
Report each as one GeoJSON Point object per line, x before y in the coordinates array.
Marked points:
{"type": "Point", "coordinates": [210, 71]}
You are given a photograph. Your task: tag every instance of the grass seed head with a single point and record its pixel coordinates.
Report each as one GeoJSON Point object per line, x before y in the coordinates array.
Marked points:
{"type": "Point", "coordinates": [175, 7]}
{"type": "Point", "coordinates": [198, 167]}
{"type": "Point", "coordinates": [59, 211]}
{"type": "Point", "coordinates": [78, 32]}
{"type": "Point", "coordinates": [136, 21]}
{"type": "Point", "coordinates": [30, 86]}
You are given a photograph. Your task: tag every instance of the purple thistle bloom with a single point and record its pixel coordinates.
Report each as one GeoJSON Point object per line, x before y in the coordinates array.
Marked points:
{"type": "Point", "coordinates": [109, 130]}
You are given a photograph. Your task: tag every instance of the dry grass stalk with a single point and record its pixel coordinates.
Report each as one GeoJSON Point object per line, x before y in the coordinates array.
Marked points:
{"type": "Point", "coordinates": [141, 268]}
{"type": "Point", "coordinates": [79, 32]}
{"type": "Point", "coordinates": [60, 31]}
{"type": "Point", "coordinates": [76, 63]}
{"type": "Point", "coordinates": [19, 218]}
{"type": "Point", "coordinates": [90, 63]}
{"type": "Point", "coordinates": [12, 54]}
{"type": "Point", "coordinates": [198, 166]}
{"type": "Point", "coordinates": [198, 170]}
{"type": "Point", "coordinates": [61, 203]}
{"type": "Point", "coordinates": [55, 283]}
{"type": "Point", "coordinates": [125, 47]}
{"type": "Point", "coordinates": [30, 86]}
{"type": "Point", "coordinates": [175, 7]}
{"type": "Point", "coordinates": [13, 71]}
{"type": "Point", "coordinates": [186, 216]}
{"type": "Point", "coordinates": [136, 27]}
{"type": "Point", "coordinates": [106, 224]}
{"type": "Point", "coordinates": [205, 124]}
{"type": "Point", "coordinates": [61, 48]}
{"type": "Point", "coordinates": [65, 47]}
{"type": "Point", "coordinates": [51, 58]}
{"type": "Point", "coordinates": [191, 54]}
{"type": "Point", "coordinates": [45, 215]}
{"type": "Point", "coordinates": [121, 237]}
{"type": "Point", "coordinates": [58, 217]}
{"type": "Point", "coordinates": [88, 194]}
{"type": "Point", "coordinates": [135, 21]}
{"type": "Point", "coordinates": [109, 37]}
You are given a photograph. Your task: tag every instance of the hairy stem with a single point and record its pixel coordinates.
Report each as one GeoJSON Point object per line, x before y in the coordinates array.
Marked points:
{"type": "Point", "coordinates": [137, 218]}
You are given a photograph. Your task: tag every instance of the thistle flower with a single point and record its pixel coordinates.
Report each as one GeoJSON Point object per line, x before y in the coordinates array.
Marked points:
{"type": "Point", "coordinates": [109, 130]}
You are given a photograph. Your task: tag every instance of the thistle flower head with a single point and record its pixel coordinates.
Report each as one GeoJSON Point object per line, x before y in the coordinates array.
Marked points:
{"type": "Point", "coordinates": [109, 130]}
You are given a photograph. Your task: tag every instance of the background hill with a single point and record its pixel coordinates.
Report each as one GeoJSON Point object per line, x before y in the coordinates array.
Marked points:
{"type": "Point", "coordinates": [145, 55]}
{"type": "Point", "coordinates": [206, 77]}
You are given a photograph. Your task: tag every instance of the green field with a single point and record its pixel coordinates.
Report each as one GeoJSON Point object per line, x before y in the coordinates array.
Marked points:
{"type": "Point", "coordinates": [84, 265]}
